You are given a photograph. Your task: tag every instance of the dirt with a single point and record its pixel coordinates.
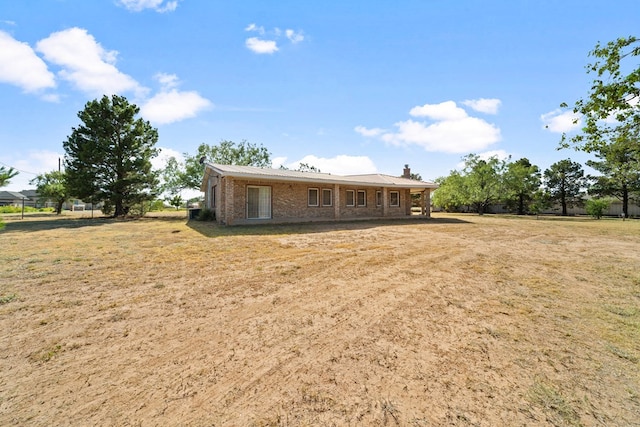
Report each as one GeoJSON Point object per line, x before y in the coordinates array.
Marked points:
{"type": "Point", "coordinates": [457, 320]}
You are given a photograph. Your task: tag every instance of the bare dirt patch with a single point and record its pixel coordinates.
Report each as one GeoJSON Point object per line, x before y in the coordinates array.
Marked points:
{"type": "Point", "coordinates": [458, 320]}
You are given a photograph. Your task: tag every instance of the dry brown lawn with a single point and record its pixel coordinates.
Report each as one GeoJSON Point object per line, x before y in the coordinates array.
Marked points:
{"type": "Point", "coordinates": [457, 320]}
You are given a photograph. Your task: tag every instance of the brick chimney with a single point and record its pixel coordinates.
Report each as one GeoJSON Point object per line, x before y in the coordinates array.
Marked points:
{"type": "Point", "coordinates": [406, 173]}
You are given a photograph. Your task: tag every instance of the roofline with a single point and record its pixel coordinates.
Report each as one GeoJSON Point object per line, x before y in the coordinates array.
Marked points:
{"type": "Point", "coordinates": [325, 179]}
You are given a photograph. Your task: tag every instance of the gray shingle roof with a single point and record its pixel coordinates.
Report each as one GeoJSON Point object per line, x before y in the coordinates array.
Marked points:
{"type": "Point", "coordinates": [370, 180]}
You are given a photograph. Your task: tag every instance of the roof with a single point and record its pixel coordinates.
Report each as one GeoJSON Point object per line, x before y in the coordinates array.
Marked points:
{"type": "Point", "coordinates": [370, 180]}
{"type": "Point", "coordinates": [12, 195]}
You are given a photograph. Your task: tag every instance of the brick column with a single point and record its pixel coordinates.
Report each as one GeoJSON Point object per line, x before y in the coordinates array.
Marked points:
{"type": "Point", "coordinates": [336, 201]}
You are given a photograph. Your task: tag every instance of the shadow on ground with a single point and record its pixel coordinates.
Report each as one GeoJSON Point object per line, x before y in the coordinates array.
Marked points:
{"type": "Point", "coordinates": [212, 229]}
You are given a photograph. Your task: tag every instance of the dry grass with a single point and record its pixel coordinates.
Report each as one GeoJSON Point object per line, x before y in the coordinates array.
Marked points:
{"type": "Point", "coordinates": [459, 320]}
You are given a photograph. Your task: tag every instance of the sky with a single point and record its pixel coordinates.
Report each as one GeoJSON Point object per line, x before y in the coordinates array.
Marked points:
{"type": "Point", "coordinates": [350, 87]}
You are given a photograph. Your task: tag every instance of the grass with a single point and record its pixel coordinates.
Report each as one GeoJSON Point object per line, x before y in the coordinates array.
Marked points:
{"type": "Point", "coordinates": [460, 320]}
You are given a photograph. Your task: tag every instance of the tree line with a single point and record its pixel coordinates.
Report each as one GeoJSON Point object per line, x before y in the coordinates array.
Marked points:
{"type": "Point", "coordinates": [108, 156]}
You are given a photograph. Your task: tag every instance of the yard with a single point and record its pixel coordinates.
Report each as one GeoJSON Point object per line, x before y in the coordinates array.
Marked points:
{"type": "Point", "coordinates": [457, 320]}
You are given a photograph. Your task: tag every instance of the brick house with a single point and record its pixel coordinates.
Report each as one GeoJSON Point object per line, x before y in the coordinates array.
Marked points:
{"type": "Point", "coordinates": [250, 195]}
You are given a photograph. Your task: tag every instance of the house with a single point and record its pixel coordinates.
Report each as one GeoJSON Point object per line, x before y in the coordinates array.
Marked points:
{"type": "Point", "coordinates": [249, 195]}
{"type": "Point", "coordinates": [12, 198]}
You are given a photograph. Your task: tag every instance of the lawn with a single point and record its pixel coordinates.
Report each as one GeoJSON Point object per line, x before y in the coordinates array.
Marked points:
{"type": "Point", "coordinates": [458, 320]}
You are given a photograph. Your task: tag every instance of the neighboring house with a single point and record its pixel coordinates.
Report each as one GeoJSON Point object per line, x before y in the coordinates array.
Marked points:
{"type": "Point", "coordinates": [12, 198]}
{"type": "Point", "coordinates": [249, 195]}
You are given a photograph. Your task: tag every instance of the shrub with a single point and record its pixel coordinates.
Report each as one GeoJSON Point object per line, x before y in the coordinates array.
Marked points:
{"type": "Point", "coordinates": [206, 215]}
{"type": "Point", "coordinates": [597, 207]}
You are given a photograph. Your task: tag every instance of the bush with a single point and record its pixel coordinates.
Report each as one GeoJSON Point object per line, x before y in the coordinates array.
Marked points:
{"type": "Point", "coordinates": [597, 207]}
{"type": "Point", "coordinates": [206, 215]}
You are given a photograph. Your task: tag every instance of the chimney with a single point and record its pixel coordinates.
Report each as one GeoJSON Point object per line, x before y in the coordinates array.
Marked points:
{"type": "Point", "coordinates": [406, 173]}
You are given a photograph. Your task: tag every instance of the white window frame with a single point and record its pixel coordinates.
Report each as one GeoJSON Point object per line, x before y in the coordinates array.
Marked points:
{"type": "Point", "coordinates": [397, 194]}
{"type": "Point", "coordinates": [330, 191]}
{"type": "Point", "coordinates": [317, 196]}
{"type": "Point", "coordinates": [364, 199]}
{"type": "Point", "coordinates": [353, 198]}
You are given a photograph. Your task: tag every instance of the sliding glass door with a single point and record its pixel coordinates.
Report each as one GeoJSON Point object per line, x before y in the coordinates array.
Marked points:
{"type": "Point", "coordinates": [258, 202]}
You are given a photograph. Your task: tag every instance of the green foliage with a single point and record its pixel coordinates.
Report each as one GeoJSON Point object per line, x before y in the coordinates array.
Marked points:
{"type": "Point", "coordinates": [450, 194]}
{"type": "Point", "coordinates": [6, 175]}
{"type": "Point", "coordinates": [175, 201]}
{"type": "Point", "coordinates": [53, 186]}
{"type": "Point", "coordinates": [226, 153]}
{"type": "Point", "coordinates": [521, 181]}
{"type": "Point", "coordinates": [597, 207]}
{"type": "Point", "coordinates": [564, 181]}
{"type": "Point", "coordinates": [206, 215]}
{"type": "Point", "coordinates": [483, 181]}
{"type": "Point", "coordinates": [108, 157]}
{"type": "Point", "coordinates": [619, 167]}
{"type": "Point", "coordinates": [18, 209]}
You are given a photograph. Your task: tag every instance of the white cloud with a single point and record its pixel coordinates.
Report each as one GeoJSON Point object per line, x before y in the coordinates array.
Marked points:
{"type": "Point", "coordinates": [254, 27]}
{"type": "Point", "coordinates": [85, 63]}
{"type": "Point", "coordinates": [447, 110]}
{"type": "Point", "coordinates": [167, 81]}
{"type": "Point", "coordinates": [559, 121]}
{"type": "Point", "coordinates": [369, 132]}
{"type": "Point", "coordinates": [261, 46]}
{"type": "Point", "coordinates": [486, 155]}
{"type": "Point", "coordinates": [268, 42]}
{"type": "Point", "coordinates": [484, 105]}
{"type": "Point", "coordinates": [338, 165]}
{"type": "Point", "coordinates": [449, 129]}
{"type": "Point", "coordinates": [172, 106]}
{"type": "Point", "coordinates": [157, 5]}
{"type": "Point", "coordinates": [294, 37]}
{"type": "Point", "coordinates": [20, 66]}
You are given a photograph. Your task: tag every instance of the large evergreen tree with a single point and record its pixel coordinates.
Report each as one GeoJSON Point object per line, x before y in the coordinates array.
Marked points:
{"type": "Point", "coordinates": [565, 181]}
{"type": "Point", "coordinates": [108, 157]}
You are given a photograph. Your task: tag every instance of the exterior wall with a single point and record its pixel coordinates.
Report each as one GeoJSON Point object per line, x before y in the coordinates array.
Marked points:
{"type": "Point", "coordinates": [289, 202]}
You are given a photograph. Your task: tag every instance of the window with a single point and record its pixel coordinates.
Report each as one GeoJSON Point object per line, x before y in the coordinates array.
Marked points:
{"type": "Point", "coordinates": [312, 199]}
{"type": "Point", "coordinates": [258, 202]}
{"type": "Point", "coordinates": [362, 198]}
{"type": "Point", "coordinates": [327, 199]}
{"type": "Point", "coordinates": [351, 198]}
{"type": "Point", "coordinates": [394, 198]}
{"type": "Point", "coordinates": [212, 202]}
{"type": "Point", "coordinates": [378, 198]}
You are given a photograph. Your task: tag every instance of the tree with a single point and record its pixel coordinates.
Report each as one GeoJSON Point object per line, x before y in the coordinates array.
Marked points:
{"type": "Point", "coordinates": [483, 181]}
{"type": "Point", "coordinates": [564, 181]}
{"type": "Point", "coordinates": [108, 157]}
{"type": "Point", "coordinates": [52, 185]}
{"type": "Point", "coordinates": [6, 175]}
{"type": "Point", "coordinates": [225, 153]}
{"type": "Point", "coordinates": [521, 181]}
{"type": "Point", "coordinates": [612, 104]}
{"type": "Point", "coordinates": [619, 168]}
{"type": "Point", "coordinates": [611, 115]}
{"type": "Point", "coordinates": [451, 192]}
{"type": "Point", "coordinates": [478, 185]}
{"type": "Point", "coordinates": [596, 207]}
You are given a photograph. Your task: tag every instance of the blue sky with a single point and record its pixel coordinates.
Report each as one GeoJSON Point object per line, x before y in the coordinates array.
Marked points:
{"type": "Point", "coordinates": [347, 86]}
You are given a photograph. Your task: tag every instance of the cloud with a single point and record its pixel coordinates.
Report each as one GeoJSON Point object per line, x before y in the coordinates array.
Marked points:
{"type": "Point", "coordinates": [261, 46]}
{"type": "Point", "coordinates": [369, 132]}
{"type": "Point", "coordinates": [448, 129]}
{"type": "Point", "coordinates": [484, 105]}
{"type": "Point", "coordinates": [172, 106]}
{"type": "Point", "coordinates": [157, 5]}
{"type": "Point", "coordinates": [254, 27]}
{"type": "Point", "coordinates": [86, 64]}
{"type": "Point", "coordinates": [268, 42]}
{"type": "Point", "coordinates": [486, 155]}
{"type": "Point", "coordinates": [20, 66]}
{"type": "Point", "coordinates": [559, 121]}
{"type": "Point", "coordinates": [339, 165]}
{"type": "Point", "coordinates": [294, 37]}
